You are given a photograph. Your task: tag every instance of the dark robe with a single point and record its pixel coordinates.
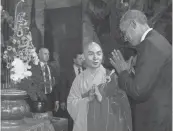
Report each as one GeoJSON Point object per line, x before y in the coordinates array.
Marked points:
{"type": "Point", "coordinates": [151, 87]}
{"type": "Point", "coordinates": [113, 113]}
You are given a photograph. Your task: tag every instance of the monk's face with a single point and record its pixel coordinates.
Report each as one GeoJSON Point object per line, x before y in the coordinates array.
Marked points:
{"type": "Point", "coordinates": [93, 55]}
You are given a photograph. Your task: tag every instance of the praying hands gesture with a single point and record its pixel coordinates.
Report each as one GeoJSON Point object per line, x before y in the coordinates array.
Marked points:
{"type": "Point", "coordinates": [119, 63]}
{"type": "Point", "coordinates": [93, 93]}
{"type": "Point", "coordinates": [90, 94]}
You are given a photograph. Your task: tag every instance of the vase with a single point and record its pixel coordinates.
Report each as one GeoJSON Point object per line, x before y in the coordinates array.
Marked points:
{"type": "Point", "coordinates": [13, 107]}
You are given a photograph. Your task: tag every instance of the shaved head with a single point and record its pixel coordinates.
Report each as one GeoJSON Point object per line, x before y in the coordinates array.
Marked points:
{"type": "Point", "coordinates": [93, 55]}
{"type": "Point", "coordinates": [90, 46]}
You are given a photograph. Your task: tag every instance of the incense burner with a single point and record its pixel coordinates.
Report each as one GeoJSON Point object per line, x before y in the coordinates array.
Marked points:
{"type": "Point", "coordinates": [13, 106]}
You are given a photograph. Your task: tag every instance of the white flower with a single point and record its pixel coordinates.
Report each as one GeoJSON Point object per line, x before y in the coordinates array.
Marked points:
{"type": "Point", "coordinates": [14, 77]}
{"type": "Point", "coordinates": [28, 73]}
{"type": "Point", "coordinates": [36, 62]}
{"type": "Point", "coordinates": [29, 67]}
{"type": "Point", "coordinates": [24, 51]}
{"type": "Point", "coordinates": [20, 70]}
{"type": "Point", "coordinates": [34, 54]}
{"type": "Point", "coordinates": [5, 56]}
{"type": "Point", "coordinates": [32, 51]}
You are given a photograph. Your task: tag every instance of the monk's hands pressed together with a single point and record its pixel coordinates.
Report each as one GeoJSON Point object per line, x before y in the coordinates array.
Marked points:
{"type": "Point", "coordinates": [118, 62]}
{"type": "Point", "coordinates": [91, 94]}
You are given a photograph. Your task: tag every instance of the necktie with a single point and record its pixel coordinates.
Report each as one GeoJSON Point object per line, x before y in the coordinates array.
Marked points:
{"type": "Point", "coordinates": [79, 71]}
{"type": "Point", "coordinates": [48, 81]}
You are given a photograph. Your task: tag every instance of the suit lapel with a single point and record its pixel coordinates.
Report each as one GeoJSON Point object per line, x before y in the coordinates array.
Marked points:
{"type": "Point", "coordinates": [51, 71]}
{"type": "Point", "coordinates": [140, 47]}
{"type": "Point", "coordinates": [39, 65]}
{"type": "Point", "coordinates": [73, 74]}
{"type": "Point", "coordinates": [50, 68]}
{"type": "Point", "coordinates": [150, 33]}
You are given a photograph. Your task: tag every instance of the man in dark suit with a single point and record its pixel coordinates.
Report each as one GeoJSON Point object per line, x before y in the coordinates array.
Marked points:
{"type": "Point", "coordinates": [49, 79]}
{"type": "Point", "coordinates": [151, 86]}
{"type": "Point", "coordinates": [67, 78]}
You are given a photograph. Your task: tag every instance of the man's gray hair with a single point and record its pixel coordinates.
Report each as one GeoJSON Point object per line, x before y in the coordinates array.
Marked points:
{"type": "Point", "coordinates": [134, 15]}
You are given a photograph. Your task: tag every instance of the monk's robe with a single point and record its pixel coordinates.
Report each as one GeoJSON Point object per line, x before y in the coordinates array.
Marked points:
{"type": "Point", "coordinates": [110, 113]}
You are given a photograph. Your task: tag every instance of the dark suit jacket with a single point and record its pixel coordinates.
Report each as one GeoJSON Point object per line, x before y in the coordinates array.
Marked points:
{"type": "Point", "coordinates": [151, 87]}
{"type": "Point", "coordinates": [37, 76]}
{"type": "Point", "coordinates": [56, 73]}
{"type": "Point", "coordinates": [67, 78]}
{"type": "Point", "coordinates": [54, 90]}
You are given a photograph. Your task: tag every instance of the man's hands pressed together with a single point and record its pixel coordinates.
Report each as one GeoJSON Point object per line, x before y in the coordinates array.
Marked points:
{"type": "Point", "coordinates": [119, 63]}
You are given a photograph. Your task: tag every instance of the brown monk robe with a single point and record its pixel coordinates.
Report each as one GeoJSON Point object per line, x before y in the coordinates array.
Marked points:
{"type": "Point", "coordinates": [113, 112]}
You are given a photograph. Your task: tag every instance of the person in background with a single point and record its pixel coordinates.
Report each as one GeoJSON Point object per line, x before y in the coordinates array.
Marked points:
{"type": "Point", "coordinates": [70, 75]}
{"type": "Point", "coordinates": [48, 77]}
{"type": "Point", "coordinates": [151, 86]}
{"type": "Point", "coordinates": [67, 79]}
{"type": "Point", "coordinates": [57, 71]}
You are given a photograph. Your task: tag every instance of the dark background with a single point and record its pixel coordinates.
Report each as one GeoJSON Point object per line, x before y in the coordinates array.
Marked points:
{"type": "Point", "coordinates": [63, 33]}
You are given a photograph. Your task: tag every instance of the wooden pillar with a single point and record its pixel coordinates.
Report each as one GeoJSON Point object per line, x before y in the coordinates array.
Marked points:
{"type": "Point", "coordinates": [40, 6]}
{"type": "Point", "coordinates": [88, 33]}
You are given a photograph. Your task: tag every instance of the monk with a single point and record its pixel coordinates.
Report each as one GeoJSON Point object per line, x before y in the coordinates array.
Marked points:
{"type": "Point", "coordinates": [95, 101]}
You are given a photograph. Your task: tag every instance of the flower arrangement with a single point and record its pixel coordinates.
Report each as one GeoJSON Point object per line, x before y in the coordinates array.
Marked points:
{"type": "Point", "coordinates": [21, 58]}
{"type": "Point", "coordinates": [20, 50]}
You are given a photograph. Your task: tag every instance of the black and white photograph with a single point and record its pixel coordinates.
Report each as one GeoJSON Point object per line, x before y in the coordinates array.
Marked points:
{"type": "Point", "coordinates": [86, 65]}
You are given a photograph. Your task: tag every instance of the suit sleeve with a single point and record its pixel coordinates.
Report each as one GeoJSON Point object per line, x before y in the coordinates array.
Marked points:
{"type": "Point", "coordinates": [148, 66]}
{"type": "Point", "coordinates": [56, 90]}
{"type": "Point", "coordinates": [63, 87]}
{"type": "Point", "coordinates": [56, 93]}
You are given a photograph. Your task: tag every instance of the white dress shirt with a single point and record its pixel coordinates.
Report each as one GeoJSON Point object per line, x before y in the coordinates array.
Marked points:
{"type": "Point", "coordinates": [76, 69]}
{"type": "Point", "coordinates": [43, 70]}
{"type": "Point", "coordinates": [145, 34]}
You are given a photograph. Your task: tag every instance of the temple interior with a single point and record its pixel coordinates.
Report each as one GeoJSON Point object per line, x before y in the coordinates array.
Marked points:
{"type": "Point", "coordinates": [63, 28]}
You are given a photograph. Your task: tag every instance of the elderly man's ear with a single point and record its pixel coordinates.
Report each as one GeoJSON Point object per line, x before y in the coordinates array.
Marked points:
{"type": "Point", "coordinates": [133, 24]}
